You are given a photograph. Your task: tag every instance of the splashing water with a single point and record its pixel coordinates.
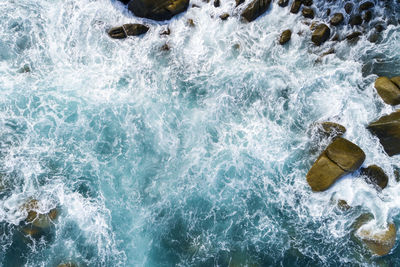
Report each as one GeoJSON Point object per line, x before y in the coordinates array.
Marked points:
{"type": "Point", "coordinates": [195, 156]}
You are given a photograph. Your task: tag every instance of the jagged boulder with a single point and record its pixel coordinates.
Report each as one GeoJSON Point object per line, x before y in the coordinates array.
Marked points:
{"type": "Point", "coordinates": [388, 90]}
{"type": "Point", "coordinates": [375, 175]}
{"type": "Point", "coordinates": [340, 158]}
{"type": "Point", "coordinates": [255, 9]}
{"type": "Point", "coordinates": [320, 34]}
{"type": "Point", "coordinates": [387, 129]}
{"type": "Point", "coordinates": [127, 30]}
{"type": "Point", "coordinates": [158, 9]}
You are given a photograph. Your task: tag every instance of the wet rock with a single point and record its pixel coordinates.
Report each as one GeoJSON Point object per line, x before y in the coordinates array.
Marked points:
{"type": "Point", "coordinates": [190, 23]}
{"type": "Point", "coordinates": [348, 7]}
{"type": "Point", "coordinates": [375, 175]}
{"type": "Point", "coordinates": [366, 5]}
{"type": "Point", "coordinates": [355, 20]}
{"type": "Point", "coordinates": [396, 81]}
{"type": "Point", "coordinates": [320, 34]}
{"type": "Point", "coordinates": [367, 16]}
{"type": "Point", "coordinates": [239, 2]}
{"type": "Point", "coordinates": [124, 1]}
{"type": "Point", "coordinates": [39, 220]}
{"type": "Point", "coordinates": [342, 205]}
{"type": "Point", "coordinates": [336, 19]}
{"type": "Point", "coordinates": [224, 16]}
{"type": "Point", "coordinates": [307, 2]}
{"type": "Point", "coordinates": [255, 9]}
{"type": "Point", "coordinates": [127, 30]}
{"type": "Point", "coordinates": [166, 32]}
{"type": "Point", "coordinates": [328, 12]}
{"type": "Point", "coordinates": [308, 13]}
{"type": "Point", "coordinates": [353, 37]}
{"type": "Point", "coordinates": [285, 37]}
{"type": "Point", "coordinates": [374, 37]}
{"type": "Point", "coordinates": [165, 47]}
{"type": "Point", "coordinates": [24, 69]}
{"type": "Point", "coordinates": [387, 129]}
{"type": "Point", "coordinates": [195, 6]}
{"type": "Point", "coordinates": [217, 3]}
{"type": "Point", "coordinates": [330, 129]}
{"type": "Point", "coordinates": [379, 241]}
{"type": "Point", "coordinates": [340, 158]}
{"type": "Point", "coordinates": [379, 27]}
{"type": "Point", "coordinates": [283, 3]}
{"type": "Point", "coordinates": [388, 90]}
{"type": "Point", "coordinates": [158, 9]}
{"type": "Point", "coordinates": [67, 264]}
{"type": "Point", "coordinates": [295, 8]}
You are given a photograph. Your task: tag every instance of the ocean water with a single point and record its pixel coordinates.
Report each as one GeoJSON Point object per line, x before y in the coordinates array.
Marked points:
{"type": "Point", "coordinates": [195, 156]}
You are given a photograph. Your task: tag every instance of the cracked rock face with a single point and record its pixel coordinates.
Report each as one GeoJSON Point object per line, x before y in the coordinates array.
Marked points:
{"type": "Point", "coordinates": [341, 157]}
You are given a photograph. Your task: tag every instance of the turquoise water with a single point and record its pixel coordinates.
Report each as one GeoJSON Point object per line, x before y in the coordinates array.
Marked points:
{"type": "Point", "coordinates": [195, 156]}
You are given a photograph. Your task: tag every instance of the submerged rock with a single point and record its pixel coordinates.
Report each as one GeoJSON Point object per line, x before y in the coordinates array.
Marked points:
{"type": "Point", "coordinates": [336, 19]}
{"type": "Point", "coordinates": [387, 129]}
{"type": "Point", "coordinates": [285, 37]}
{"type": "Point", "coordinates": [158, 9]}
{"type": "Point", "coordinates": [379, 241]}
{"type": "Point", "coordinates": [307, 2]}
{"type": "Point", "coordinates": [328, 129]}
{"type": "Point", "coordinates": [348, 7]}
{"type": "Point", "coordinates": [375, 175]}
{"type": "Point", "coordinates": [67, 264]}
{"type": "Point", "coordinates": [366, 5]}
{"type": "Point", "coordinates": [342, 205]}
{"type": "Point", "coordinates": [224, 16]}
{"type": "Point", "coordinates": [340, 158]}
{"type": "Point", "coordinates": [127, 30]}
{"type": "Point", "coordinates": [355, 20]}
{"type": "Point", "coordinates": [37, 219]}
{"type": "Point", "coordinates": [255, 9]}
{"type": "Point", "coordinates": [388, 90]}
{"type": "Point", "coordinates": [320, 34]}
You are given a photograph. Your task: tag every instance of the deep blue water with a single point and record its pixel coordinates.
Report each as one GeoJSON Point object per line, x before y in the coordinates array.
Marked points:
{"type": "Point", "coordinates": [192, 157]}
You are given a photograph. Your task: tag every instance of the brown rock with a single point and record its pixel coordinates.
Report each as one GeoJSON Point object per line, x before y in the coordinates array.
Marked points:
{"type": "Point", "coordinates": [239, 2]}
{"type": "Point", "coordinates": [355, 20]}
{"type": "Point", "coordinates": [158, 9]}
{"type": "Point", "coordinates": [379, 241]}
{"type": "Point", "coordinates": [328, 129]}
{"type": "Point", "coordinates": [388, 90]}
{"type": "Point", "coordinates": [190, 23]}
{"type": "Point", "coordinates": [295, 8]}
{"type": "Point", "coordinates": [255, 9]}
{"type": "Point", "coordinates": [396, 81]}
{"type": "Point", "coordinates": [342, 204]}
{"type": "Point", "coordinates": [320, 34]}
{"type": "Point", "coordinates": [353, 36]}
{"type": "Point", "coordinates": [307, 2]}
{"type": "Point", "coordinates": [127, 30]}
{"type": "Point", "coordinates": [387, 129]}
{"type": "Point", "coordinates": [375, 175]}
{"type": "Point", "coordinates": [336, 19]}
{"type": "Point", "coordinates": [224, 16]}
{"type": "Point", "coordinates": [345, 154]}
{"type": "Point", "coordinates": [285, 37]}
{"type": "Point", "coordinates": [308, 12]}
{"type": "Point", "coordinates": [324, 173]}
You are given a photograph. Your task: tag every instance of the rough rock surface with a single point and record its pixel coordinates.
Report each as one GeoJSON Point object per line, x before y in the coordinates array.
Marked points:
{"type": "Point", "coordinates": [375, 175]}
{"type": "Point", "coordinates": [387, 129]}
{"type": "Point", "coordinates": [320, 34]}
{"type": "Point", "coordinates": [127, 30]}
{"type": "Point", "coordinates": [255, 9]}
{"type": "Point", "coordinates": [158, 9]}
{"type": "Point", "coordinates": [285, 37]}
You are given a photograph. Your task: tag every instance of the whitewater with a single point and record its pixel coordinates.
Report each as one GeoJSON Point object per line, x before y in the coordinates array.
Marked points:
{"type": "Point", "coordinates": [195, 156]}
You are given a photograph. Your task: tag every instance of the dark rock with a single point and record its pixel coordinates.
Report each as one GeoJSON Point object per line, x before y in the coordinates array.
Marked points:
{"type": "Point", "coordinates": [355, 20]}
{"type": "Point", "coordinates": [336, 19]}
{"type": "Point", "coordinates": [224, 16]}
{"type": "Point", "coordinates": [367, 16]}
{"type": "Point", "coordinates": [348, 7]}
{"type": "Point", "coordinates": [255, 9]}
{"type": "Point", "coordinates": [340, 158]}
{"type": "Point", "coordinates": [217, 3]}
{"type": "Point", "coordinates": [165, 47]}
{"type": "Point", "coordinates": [124, 1]}
{"type": "Point", "coordinates": [308, 12]}
{"type": "Point", "coordinates": [158, 9]}
{"type": "Point", "coordinates": [285, 37]}
{"type": "Point", "coordinates": [166, 32]}
{"type": "Point", "coordinates": [342, 204]}
{"type": "Point", "coordinates": [283, 3]}
{"type": "Point", "coordinates": [353, 36]}
{"type": "Point", "coordinates": [328, 12]}
{"type": "Point", "coordinates": [375, 175]}
{"type": "Point", "coordinates": [387, 129]}
{"type": "Point", "coordinates": [379, 28]}
{"type": "Point", "coordinates": [307, 2]}
{"type": "Point", "coordinates": [320, 34]}
{"type": "Point", "coordinates": [374, 37]}
{"type": "Point", "coordinates": [127, 30]}
{"type": "Point", "coordinates": [328, 129]}
{"type": "Point", "coordinates": [195, 6]}
{"type": "Point", "coordinates": [388, 90]}
{"type": "Point", "coordinates": [295, 8]}
{"type": "Point", "coordinates": [366, 5]}
{"type": "Point", "coordinates": [239, 2]}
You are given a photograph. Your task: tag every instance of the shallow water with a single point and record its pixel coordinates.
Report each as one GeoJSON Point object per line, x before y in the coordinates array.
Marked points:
{"type": "Point", "coordinates": [195, 156]}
